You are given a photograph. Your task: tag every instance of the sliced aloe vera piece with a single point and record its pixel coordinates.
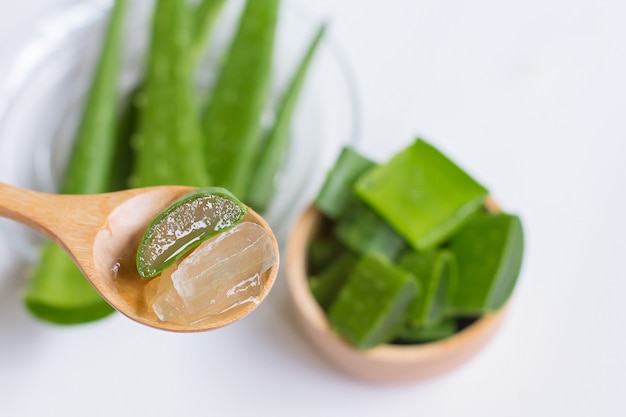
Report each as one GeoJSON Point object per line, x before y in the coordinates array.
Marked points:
{"type": "Point", "coordinates": [371, 305]}
{"type": "Point", "coordinates": [363, 231]}
{"type": "Point", "coordinates": [336, 195]}
{"type": "Point", "coordinates": [489, 251]}
{"type": "Point", "coordinates": [189, 221]}
{"type": "Point", "coordinates": [425, 334]}
{"type": "Point", "coordinates": [423, 195]}
{"type": "Point", "coordinates": [326, 284]}
{"type": "Point", "coordinates": [322, 251]}
{"type": "Point", "coordinates": [436, 276]}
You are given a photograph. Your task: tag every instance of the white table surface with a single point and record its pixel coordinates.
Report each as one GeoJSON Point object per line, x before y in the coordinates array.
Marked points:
{"type": "Point", "coordinates": [531, 98]}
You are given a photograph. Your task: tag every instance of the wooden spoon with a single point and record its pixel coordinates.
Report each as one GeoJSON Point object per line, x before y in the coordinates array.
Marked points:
{"type": "Point", "coordinates": [101, 233]}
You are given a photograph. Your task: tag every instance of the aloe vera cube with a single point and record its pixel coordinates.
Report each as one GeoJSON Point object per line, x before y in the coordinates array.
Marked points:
{"type": "Point", "coordinates": [189, 221]}
{"type": "Point", "coordinates": [436, 274]}
{"type": "Point", "coordinates": [489, 251]}
{"type": "Point", "coordinates": [322, 251]}
{"type": "Point", "coordinates": [363, 231]}
{"type": "Point", "coordinates": [423, 195]}
{"type": "Point", "coordinates": [336, 194]}
{"type": "Point", "coordinates": [371, 305]}
{"type": "Point", "coordinates": [326, 284]}
{"type": "Point", "coordinates": [223, 272]}
{"type": "Point", "coordinates": [425, 334]}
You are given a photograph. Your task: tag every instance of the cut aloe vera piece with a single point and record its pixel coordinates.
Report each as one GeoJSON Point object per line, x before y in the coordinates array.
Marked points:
{"type": "Point", "coordinates": [190, 220]}
{"type": "Point", "coordinates": [436, 274]}
{"type": "Point", "coordinates": [222, 273]}
{"type": "Point", "coordinates": [336, 194]}
{"type": "Point", "coordinates": [489, 251]}
{"type": "Point", "coordinates": [363, 231]}
{"type": "Point", "coordinates": [423, 195]}
{"type": "Point", "coordinates": [322, 251]}
{"type": "Point", "coordinates": [371, 305]}
{"type": "Point", "coordinates": [425, 334]}
{"type": "Point", "coordinates": [326, 285]}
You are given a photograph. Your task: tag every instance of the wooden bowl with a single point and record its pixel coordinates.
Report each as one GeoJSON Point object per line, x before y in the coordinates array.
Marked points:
{"type": "Point", "coordinates": [386, 363]}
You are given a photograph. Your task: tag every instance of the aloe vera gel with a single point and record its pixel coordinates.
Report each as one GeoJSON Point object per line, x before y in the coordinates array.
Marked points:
{"type": "Point", "coordinates": [416, 254]}
{"type": "Point", "coordinates": [204, 257]}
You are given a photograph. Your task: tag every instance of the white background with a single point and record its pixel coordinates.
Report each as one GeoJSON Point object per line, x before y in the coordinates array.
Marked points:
{"type": "Point", "coordinates": [530, 97]}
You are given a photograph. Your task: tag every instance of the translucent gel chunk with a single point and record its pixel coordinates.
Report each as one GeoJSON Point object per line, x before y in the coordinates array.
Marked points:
{"type": "Point", "coordinates": [165, 301]}
{"type": "Point", "coordinates": [218, 275]}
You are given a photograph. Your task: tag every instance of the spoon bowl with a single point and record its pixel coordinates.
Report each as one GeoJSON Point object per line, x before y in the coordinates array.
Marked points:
{"type": "Point", "coordinates": [101, 233]}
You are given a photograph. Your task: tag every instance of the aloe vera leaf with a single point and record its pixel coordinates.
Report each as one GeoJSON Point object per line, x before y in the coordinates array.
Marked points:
{"type": "Point", "coordinates": [371, 305]}
{"type": "Point", "coordinates": [276, 146]}
{"type": "Point", "coordinates": [58, 291]}
{"type": "Point", "coordinates": [184, 224]}
{"type": "Point", "coordinates": [204, 17]}
{"type": "Point", "coordinates": [90, 163]}
{"type": "Point", "coordinates": [232, 120]}
{"type": "Point", "coordinates": [124, 154]}
{"type": "Point", "coordinates": [422, 194]}
{"type": "Point", "coordinates": [489, 251]}
{"type": "Point", "coordinates": [168, 144]}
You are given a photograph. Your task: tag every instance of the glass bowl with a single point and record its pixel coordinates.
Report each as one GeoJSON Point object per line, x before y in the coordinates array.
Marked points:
{"type": "Point", "coordinates": [42, 93]}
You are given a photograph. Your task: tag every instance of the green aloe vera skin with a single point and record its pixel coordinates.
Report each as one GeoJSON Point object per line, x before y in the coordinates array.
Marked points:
{"type": "Point", "coordinates": [326, 284]}
{"type": "Point", "coordinates": [58, 292]}
{"type": "Point", "coordinates": [336, 195]}
{"type": "Point", "coordinates": [232, 120]}
{"type": "Point", "coordinates": [185, 224]}
{"type": "Point", "coordinates": [436, 274]}
{"type": "Point", "coordinates": [489, 251]}
{"type": "Point", "coordinates": [422, 194]}
{"type": "Point", "coordinates": [363, 231]}
{"type": "Point", "coordinates": [371, 305]}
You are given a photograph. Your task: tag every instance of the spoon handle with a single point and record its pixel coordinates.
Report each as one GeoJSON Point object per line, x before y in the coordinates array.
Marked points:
{"type": "Point", "coordinates": [73, 220]}
{"type": "Point", "coordinates": [64, 218]}
{"type": "Point", "coordinates": [39, 211]}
